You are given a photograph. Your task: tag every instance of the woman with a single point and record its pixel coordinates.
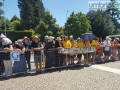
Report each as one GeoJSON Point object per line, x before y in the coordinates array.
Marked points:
{"type": "Point", "coordinates": [20, 66]}
{"type": "Point", "coordinates": [36, 47]}
{"type": "Point", "coordinates": [87, 55]}
{"type": "Point", "coordinates": [79, 44]}
{"type": "Point", "coordinates": [71, 55]}
{"type": "Point", "coordinates": [7, 48]}
{"type": "Point", "coordinates": [114, 47]}
{"type": "Point", "coordinates": [58, 46]}
{"type": "Point", "coordinates": [67, 45]}
{"type": "Point", "coordinates": [27, 45]}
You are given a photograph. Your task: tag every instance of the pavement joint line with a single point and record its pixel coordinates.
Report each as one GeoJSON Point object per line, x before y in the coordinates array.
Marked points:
{"type": "Point", "coordinates": [108, 69]}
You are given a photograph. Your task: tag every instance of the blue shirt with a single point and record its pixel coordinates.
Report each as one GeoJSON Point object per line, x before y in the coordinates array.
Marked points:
{"type": "Point", "coordinates": [36, 45]}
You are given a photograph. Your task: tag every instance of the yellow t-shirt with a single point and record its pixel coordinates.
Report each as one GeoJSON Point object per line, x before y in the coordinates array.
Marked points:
{"type": "Point", "coordinates": [87, 44]}
{"type": "Point", "coordinates": [94, 43]}
{"type": "Point", "coordinates": [79, 44]}
{"type": "Point", "coordinates": [67, 44]}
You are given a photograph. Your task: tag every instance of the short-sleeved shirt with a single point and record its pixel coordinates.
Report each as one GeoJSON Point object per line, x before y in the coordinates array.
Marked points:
{"type": "Point", "coordinates": [6, 56]}
{"type": "Point", "coordinates": [36, 45]}
{"type": "Point", "coordinates": [19, 47]}
{"type": "Point", "coordinates": [67, 44]}
{"type": "Point", "coordinates": [79, 44]}
{"type": "Point", "coordinates": [94, 43]}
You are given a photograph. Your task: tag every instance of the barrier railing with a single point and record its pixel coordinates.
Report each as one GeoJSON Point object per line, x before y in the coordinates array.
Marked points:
{"type": "Point", "coordinates": [52, 58]}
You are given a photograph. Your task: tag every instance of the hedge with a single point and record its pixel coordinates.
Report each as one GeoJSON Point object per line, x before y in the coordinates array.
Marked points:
{"type": "Point", "coordinates": [15, 35]}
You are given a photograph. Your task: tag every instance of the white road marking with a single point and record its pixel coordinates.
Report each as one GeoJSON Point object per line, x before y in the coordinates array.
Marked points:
{"type": "Point", "coordinates": [108, 69]}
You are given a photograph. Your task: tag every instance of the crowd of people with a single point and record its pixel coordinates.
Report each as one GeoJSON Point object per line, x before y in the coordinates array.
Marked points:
{"type": "Point", "coordinates": [50, 50]}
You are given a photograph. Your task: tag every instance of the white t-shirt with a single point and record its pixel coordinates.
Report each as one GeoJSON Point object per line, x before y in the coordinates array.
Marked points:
{"type": "Point", "coordinates": [107, 48]}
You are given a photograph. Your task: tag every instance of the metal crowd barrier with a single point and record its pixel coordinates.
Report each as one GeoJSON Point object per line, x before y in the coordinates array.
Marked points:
{"type": "Point", "coordinates": [52, 59]}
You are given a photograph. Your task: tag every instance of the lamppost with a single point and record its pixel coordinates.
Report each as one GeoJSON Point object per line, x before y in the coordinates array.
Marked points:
{"type": "Point", "coordinates": [4, 17]}
{"type": "Point", "coordinates": [66, 21]}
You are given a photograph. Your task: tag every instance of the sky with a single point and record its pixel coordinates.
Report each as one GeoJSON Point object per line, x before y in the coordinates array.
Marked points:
{"type": "Point", "coordinates": [58, 8]}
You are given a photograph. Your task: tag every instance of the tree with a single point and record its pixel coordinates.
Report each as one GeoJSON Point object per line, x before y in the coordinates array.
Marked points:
{"type": "Point", "coordinates": [8, 27]}
{"type": "Point", "coordinates": [15, 23]}
{"type": "Point", "coordinates": [51, 22]}
{"type": "Point", "coordinates": [113, 11]}
{"type": "Point", "coordinates": [101, 23]}
{"type": "Point", "coordinates": [1, 13]}
{"type": "Point", "coordinates": [14, 18]}
{"type": "Point", "coordinates": [77, 24]}
{"type": "Point", "coordinates": [42, 29]}
{"type": "Point", "coordinates": [31, 12]}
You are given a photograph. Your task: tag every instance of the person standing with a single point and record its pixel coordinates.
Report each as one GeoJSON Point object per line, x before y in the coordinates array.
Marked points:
{"type": "Point", "coordinates": [27, 45]}
{"type": "Point", "coordinates": [94, 45]}
{"type": "Point", "coordinates": [44, 43]}
{"type": "Point", "coordinates": [58, 46]}
{"type": "Point", "coordinates": [36, 47]}
{"type": "Point", "coordinates": [79, 44]}
{"type": "Point", "coordinates": [107, 51]}
{"type": "Point", "coordinates": [20, 66]}
{"type": "Point", "coordinates": [67, 45]}
{"type": "Point", "coordinates": [50, 53]}
{"type": "Point", "coordinates": [7, 48]}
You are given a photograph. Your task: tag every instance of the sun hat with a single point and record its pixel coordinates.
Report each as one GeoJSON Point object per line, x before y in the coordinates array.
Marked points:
{"type": "Point", "coordinates": [66, 36]}
{"type": "Point", "coordinates": [58, 38]}
{"type": "Point", "coordinates": [46, 36]}
{"type": "Point", "coordinates": [79, 39]}
{"type": "Point", "coordinates": [36, 37]}
{"type": "Point", "coordinates": [2, 35]}
{"type": "Point", "coordinates": [71, 36]}
{"type": "Point", "coordinates": [19, 41]}
{"type": "Point", "coordinates": [107, 37]}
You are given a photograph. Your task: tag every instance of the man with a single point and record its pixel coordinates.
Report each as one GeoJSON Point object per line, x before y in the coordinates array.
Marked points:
{"type": "Point", "coordinates": [36, 48]}
{"type": "Point", "coordinates": [50, 52]}
{"type": "Point", "coordinates": [107, 45]}
{"type": "Point", "coordinates": [1, 54]}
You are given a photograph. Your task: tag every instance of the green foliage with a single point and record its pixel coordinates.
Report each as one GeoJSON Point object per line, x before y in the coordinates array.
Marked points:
{"type": "Point", "coordinates": [14, 35]}
{"type": "Point", "coordinates": [101, 23]}
{"type": "Point", "coordinates": [114, 12]}
{"type": "Point", "coordinates": [1, 13]}
{"type": "Point", "coordinates": [14, 18]}
{"type": "Point", "coordinates": [60, 31]}
{"type": "Point", "coordinates": [8, 26]}
{"type": "Point", "coordinates": [51, 22]}
{"type": "Point", "coordinates": [77, 24]}
{"type": "Point", "coordinates": [16, 24]}
{"type": "Point", "coordinates": [47, 26]}
{"type": "Point", "coordinates": [31, 12]}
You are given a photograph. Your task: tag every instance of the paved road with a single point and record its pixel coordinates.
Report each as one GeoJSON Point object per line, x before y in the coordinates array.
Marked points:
{"type": "Point", "coordinates": [96, 77]}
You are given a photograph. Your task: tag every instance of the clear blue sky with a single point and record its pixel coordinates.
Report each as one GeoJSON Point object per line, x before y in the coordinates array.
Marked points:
{"type": "Point", "coordinates": [58, 8]}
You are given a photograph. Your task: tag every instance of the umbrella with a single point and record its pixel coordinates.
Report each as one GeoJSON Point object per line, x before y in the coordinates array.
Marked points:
{"type": "Point", "coordinates": [89, 36]}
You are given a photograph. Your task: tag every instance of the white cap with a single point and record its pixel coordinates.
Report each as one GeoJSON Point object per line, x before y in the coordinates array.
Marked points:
{"type": "Point", "coordinates": [2, 35]}
{"type": "Point", "coordinates": [19, 40]}
{"type": "Point", "coordinates": [71, 36]}
{"type": "Point", "coordinates": [107, 37]}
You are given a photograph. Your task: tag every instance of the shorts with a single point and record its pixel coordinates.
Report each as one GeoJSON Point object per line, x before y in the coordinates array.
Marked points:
{"type": "Point", "coordinates": [93, 53]}
{"type": "Point", "coordinates": [107, 53]}
{"type": "Point", "coordinates": [37, 58]}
